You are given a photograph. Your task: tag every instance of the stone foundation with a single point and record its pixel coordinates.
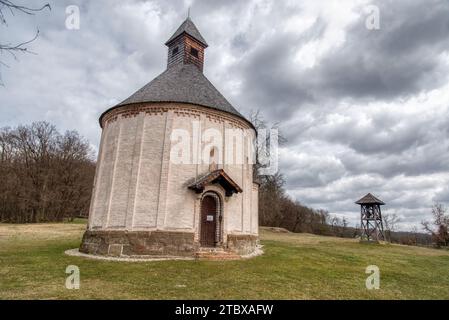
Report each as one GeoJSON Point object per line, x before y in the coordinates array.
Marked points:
{"type": "Point", "coordinates": [115, 243]}
{"type": "Point", "coordinates": [135, 243]}
{"type": "Point", "coordinates": [242, 244]}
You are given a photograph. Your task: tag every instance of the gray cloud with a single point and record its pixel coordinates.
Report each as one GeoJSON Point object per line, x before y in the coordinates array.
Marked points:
{"type": "Point", "coordinates": [397, 60]}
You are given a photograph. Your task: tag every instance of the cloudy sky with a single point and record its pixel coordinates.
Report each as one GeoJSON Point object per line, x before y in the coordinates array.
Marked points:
{"type": "Point", "coordinates": [363, 109]}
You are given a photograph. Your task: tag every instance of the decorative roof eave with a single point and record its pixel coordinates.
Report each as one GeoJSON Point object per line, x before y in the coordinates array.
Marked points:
{"type": "Point", "coordinates": [218, 176]}
{"type": "Point", "coordinates": [100, 119]}
{"type": "Point", "coordinates": [369, 199]}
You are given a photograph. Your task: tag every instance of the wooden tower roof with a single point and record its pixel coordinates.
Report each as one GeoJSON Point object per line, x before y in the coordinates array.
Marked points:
{"type": "Point", "coordinates": [370, 199]}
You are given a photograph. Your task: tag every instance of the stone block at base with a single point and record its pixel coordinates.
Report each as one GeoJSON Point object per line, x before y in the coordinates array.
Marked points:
{"type": "Point", "coordinates": [116, 243]}
{"type": "Point", "coordinates": [131, 243]}
{"type": "Point", "coordinates": [242, 244]}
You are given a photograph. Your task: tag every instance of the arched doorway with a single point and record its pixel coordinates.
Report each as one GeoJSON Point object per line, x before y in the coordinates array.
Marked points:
{"type": "Point", "coordinates": [210, 230]}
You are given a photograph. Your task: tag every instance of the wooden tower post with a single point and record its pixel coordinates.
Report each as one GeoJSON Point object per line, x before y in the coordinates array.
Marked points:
{"type": "Point", "coordinates": [371, 223]}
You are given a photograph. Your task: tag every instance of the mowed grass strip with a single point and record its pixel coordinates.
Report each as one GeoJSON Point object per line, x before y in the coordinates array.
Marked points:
{"type": "Point", "coordinates": [294, 266]}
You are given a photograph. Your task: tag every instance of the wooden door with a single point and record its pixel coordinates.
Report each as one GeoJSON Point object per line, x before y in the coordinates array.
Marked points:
{"type": "Point", "coordinates": [208, 221]}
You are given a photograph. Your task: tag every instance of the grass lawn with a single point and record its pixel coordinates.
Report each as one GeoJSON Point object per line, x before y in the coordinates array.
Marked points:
{"type": "Point", "coordinates": [294, 266]}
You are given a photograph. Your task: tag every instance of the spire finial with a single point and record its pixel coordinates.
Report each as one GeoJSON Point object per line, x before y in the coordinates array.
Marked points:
{"type": "Point", "coordinates": [188, 13]}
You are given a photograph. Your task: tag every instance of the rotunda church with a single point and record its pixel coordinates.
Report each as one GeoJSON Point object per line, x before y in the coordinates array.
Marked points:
{"type": "Point", "coordinates": [174, 174]}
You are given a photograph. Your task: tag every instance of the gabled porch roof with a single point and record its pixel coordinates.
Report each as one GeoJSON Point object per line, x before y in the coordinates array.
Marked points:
{"type": "Point", "coordinates": [218, 176]}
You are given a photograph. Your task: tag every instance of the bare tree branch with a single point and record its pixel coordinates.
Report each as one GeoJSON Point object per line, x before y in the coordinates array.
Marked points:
{"type": "Point", "coordinates": [13, 49]}
{"type": "Point", "coordinates": [12, 6]}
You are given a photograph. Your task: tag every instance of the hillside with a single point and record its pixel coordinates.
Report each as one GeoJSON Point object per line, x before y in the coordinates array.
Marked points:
{"type": "Point", "coordinates": [294, 266]}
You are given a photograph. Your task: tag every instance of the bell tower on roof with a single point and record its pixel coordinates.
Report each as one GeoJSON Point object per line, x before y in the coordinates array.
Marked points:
{"type": "Point", "coordinates": [186, 46]}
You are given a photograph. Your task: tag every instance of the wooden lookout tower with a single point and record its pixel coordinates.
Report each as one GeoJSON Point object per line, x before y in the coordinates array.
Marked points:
{"type": "Point", "coordinates": [371, 218]}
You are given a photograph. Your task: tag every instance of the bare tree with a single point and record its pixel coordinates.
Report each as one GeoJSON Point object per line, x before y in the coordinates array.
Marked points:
{"type": "Point", "coordinates": [260, 124]}
{"type": "Point", "coordinates": [415, 233]}
{"type": "Point", "coordinates": [390, 222]}
{"type": "Point", "coordinates": [439, 227]}
{"type": "Point", "coordinates": [356, 232]}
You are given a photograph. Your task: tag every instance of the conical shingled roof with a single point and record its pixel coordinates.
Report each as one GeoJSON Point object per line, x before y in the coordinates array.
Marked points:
{"type": "Point", "coordinates": [188, 27]}
{"type": "Point", "coordinates": [182, 83]}
{"type": "Point", "coordinates": [370, 199]}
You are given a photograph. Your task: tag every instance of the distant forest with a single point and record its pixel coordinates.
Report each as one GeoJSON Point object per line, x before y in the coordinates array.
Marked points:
{"type": "Point", "coordinates": [48, 177]}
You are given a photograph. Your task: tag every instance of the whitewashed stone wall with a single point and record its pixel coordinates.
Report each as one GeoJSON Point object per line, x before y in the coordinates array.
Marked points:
{"type": "Point", "coordinates": [137, 187]}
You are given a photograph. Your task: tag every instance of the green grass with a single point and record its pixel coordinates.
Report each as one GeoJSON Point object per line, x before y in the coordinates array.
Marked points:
{"type": "Point", "coordinates": [79, 221]}
{"type": "Point", "coordinates": [294, 266]}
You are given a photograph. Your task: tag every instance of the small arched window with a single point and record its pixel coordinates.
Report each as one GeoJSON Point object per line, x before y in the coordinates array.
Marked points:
{"type": "Point", "coordinates": [213, 160]}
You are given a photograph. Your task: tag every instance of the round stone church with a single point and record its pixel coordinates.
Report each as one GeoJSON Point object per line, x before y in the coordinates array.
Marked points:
{"type": "Point", "coordinates": [174, 174]}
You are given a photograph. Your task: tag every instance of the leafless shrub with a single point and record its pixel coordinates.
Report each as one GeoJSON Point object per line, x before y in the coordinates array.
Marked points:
{"type": "Point", "coordinates": [439, 227]}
